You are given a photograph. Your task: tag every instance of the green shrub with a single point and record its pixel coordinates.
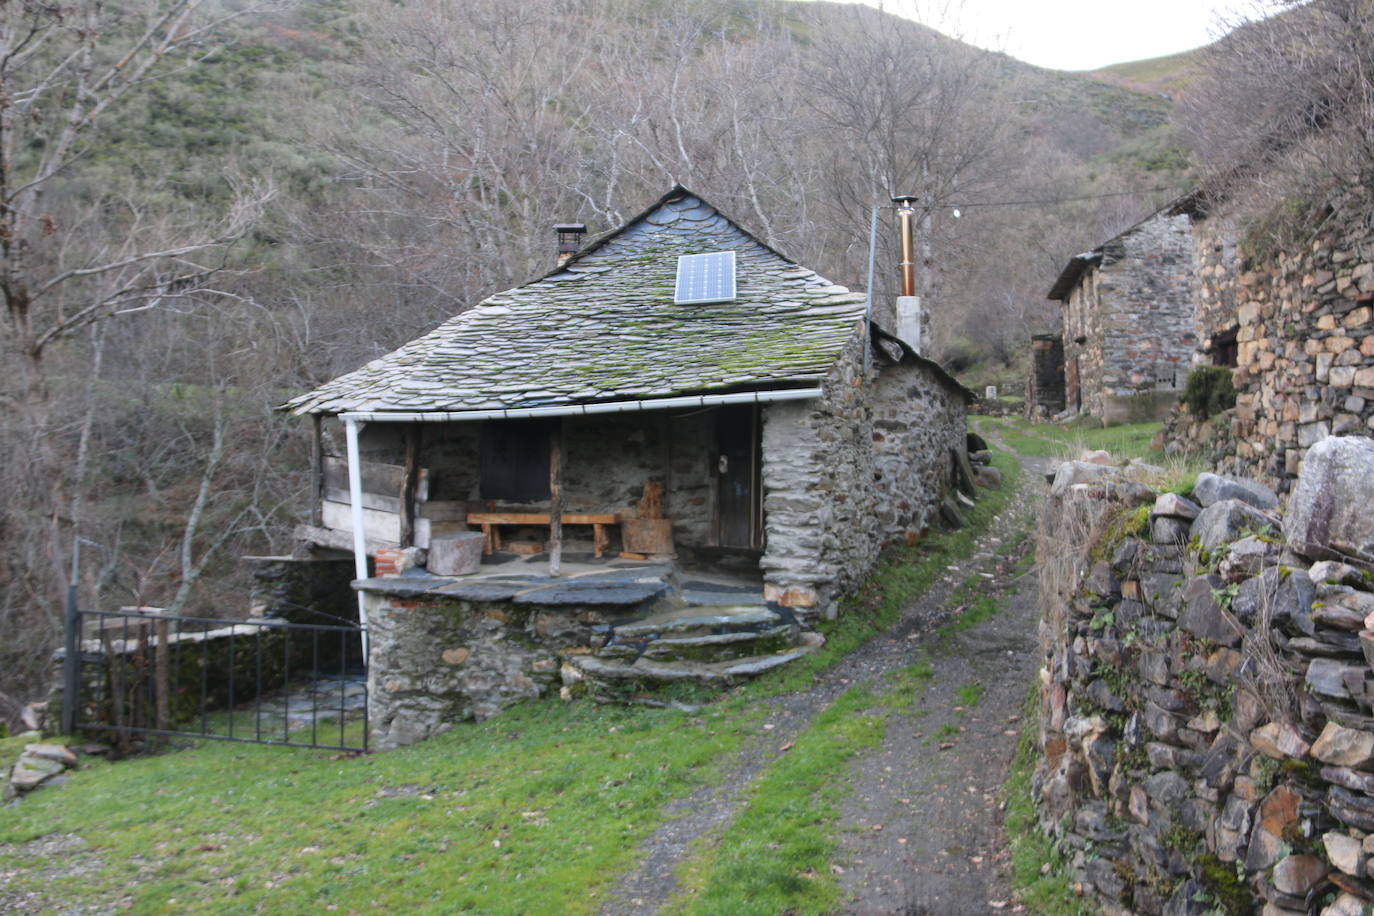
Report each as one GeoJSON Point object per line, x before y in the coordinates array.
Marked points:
{"type": "Point", "coordinates": [1209, 391]}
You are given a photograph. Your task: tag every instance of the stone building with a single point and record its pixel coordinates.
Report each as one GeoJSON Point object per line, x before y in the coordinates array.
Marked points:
{"type": "Point", "coordinates": [1294, 321]}
{"type": "Point", "coordinates": [1128, 320]}
{"type": "Point", "coordinates": [762, 425]}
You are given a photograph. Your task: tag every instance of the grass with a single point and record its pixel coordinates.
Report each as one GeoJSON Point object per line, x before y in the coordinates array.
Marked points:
{"type": "Point", "coordinates": [1045, 892]}
{"type": "Point", "coordinates": [1047, 440]}
{"type": "Point", "coordinates": [536, 811]}
{"type": "Point", "coordinates": [775, 855]}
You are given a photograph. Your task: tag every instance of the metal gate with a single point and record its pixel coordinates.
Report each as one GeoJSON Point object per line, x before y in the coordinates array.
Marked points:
{"type": "Point", "coordinates": [142, 672]}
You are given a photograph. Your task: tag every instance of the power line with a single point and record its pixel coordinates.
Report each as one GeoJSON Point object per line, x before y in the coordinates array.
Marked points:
{"type": "Point", "coordinates": [945, 205]}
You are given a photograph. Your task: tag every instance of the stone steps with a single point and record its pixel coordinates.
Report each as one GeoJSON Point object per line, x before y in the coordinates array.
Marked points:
{"type": "Point", "coordinates": [708, 645]}
{"type": "Point", "coordinates": [645, 670]}
{"type": "Point", "coordinates": [716, 647]}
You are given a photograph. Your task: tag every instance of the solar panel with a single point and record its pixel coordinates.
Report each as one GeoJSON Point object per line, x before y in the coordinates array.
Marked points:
{"type": "Point", "coordinates": [705, 278]}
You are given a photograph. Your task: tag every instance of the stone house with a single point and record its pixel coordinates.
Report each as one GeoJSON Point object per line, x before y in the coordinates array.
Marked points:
{"type": "Point", "coordinates": [739, 401]}
{"type": "Point", "coordinates": [1295, 321]}
{"type": "Point", "coordinates": [1128, 320]}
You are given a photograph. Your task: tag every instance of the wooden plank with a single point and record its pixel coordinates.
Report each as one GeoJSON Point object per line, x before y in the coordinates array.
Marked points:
{"type": "Point", "coordinates": [540, 518]}
{"type": "Point", "coordinates": [338, 540]}
{"type": "Point", "coordinates": [376, 501]}
{"type": "Point", "coordinates": [447, 510]}
{"type": "Point", "coordinates": [382, 479]}
{"type": "Point", "coordinates": [377, 525]}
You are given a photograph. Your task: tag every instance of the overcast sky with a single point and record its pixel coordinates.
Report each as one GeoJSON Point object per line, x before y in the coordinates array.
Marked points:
{"type": "Point", "coordinates": [1076, 34]}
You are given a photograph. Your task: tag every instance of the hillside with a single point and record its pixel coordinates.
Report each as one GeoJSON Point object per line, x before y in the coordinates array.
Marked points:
{"type": "Point", "coordinates": [1166, 77]}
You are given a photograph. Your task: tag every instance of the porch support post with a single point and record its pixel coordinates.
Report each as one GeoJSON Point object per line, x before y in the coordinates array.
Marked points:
{"type": "Point", "coordinates": [409, 484]}
{"type": "Point", "coordinates": [316, 471]}
{"type": "Point", "coordinates": [355, 497]}
{"type": "Point", "coordinates": [556, 498]}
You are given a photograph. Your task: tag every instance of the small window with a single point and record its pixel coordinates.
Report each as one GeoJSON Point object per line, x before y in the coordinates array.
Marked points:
{"type": "Point", "coordinates": [515, 460]}
{"type": "Point", "coordinates": [1225, 350]}
{"type": "Point", "coordinates": [705, 278]}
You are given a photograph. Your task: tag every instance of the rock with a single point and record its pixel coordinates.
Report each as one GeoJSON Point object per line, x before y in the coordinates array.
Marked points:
{"type": "Point", "coordinates": [1166, 790]}
{"type": "Point", "coordinates": [1071, 473]}
{"type": "Point", "coordinates": [1277, 811]}
{"type": "Point", "coordinates": [1279, 596]}
{"type": "Point", "coordinates": [1167, 530]}
{"type": "Point", "coordinates": [1246, 557]}
{"type": "Point", "coordinates": [1329, 512]}
{"type": "Point", "coordinates": [1350, 779]}
{"type": "Point", "coordinates": [55, 752]}
{"type": "Point", "coordinates": [1229, 520]}
{"type": "Point", "coordinates": [1126, 555]}
{"type": "Point", "coordinates": [1175, 506]}
{"type": "Point", "coordinates": [1232, 825]}
{"type": "Point", "coordinates": [1345, 852]}
{"type": "Point", "coordinates": [1344, 747]}
{"type": "Point", "coordinates": [1204, 617]}
{"type": "Point", "coordinates": [1335, 573]}
{"type": "Point", "coordinates": [1327, 677]}
{"type": "Point", "coordinates": [1345, 905]}
{"type": "Point", "coordinates": [1210, 489]}
{"type": "Point", "coordinates": [1097, 456]}
{"type": "Point", "coordinates": [1280, 741]}
{"type": "Point", "coordinates": [1297, 875]}
{"type": "Point", "coordinates": [30, 772]}
{"type": "Point", "coordinates": [988, 478]}
{"type": "Point", "coordinates": [457, 554]}
{"type": "Point", "coordinates": [1132, 493]}
{"type": "Point", "coordinates": [812, 639]}
{"type": "Point", "coordinates": [1351, 808]}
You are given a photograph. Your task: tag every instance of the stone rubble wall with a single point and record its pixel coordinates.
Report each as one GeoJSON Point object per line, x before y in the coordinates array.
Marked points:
{"type": "Point", "coordinates": [1134, 313]}
{"type": "Point", "coordinates": [1303, 316]}
{"type": "Point", "coordinates": [437, 662]}
{"type": "Point", "coordinates": [1207, 699]}
{"type": "Point", "coordinates": [865, 464]}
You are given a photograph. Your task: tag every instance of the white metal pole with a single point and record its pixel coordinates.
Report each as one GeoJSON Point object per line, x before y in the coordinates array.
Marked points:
{"type": "Point", "coordinates": [355, 498]}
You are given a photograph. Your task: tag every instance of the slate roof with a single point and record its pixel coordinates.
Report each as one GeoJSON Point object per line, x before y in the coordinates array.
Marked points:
{"type": "Point", "coordinates": [604, 328]}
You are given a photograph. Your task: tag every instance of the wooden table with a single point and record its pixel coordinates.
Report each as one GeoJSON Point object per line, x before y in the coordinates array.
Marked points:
{"type": "Point", "coordinates": [491, 522]}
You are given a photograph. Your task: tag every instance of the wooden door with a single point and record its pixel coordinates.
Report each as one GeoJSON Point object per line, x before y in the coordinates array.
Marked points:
{"type": "Point", "coordinates": [1073, 396]}
{"type": "Point", "coordinates": [738, 506]}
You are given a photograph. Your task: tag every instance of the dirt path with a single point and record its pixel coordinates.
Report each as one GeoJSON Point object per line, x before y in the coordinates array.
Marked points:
{"type": "Point", "coordinates": [940, 848]}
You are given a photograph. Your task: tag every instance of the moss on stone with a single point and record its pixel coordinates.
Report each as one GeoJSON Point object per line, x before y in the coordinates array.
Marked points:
{"type": "Point", "coordinates": [1229, 893]}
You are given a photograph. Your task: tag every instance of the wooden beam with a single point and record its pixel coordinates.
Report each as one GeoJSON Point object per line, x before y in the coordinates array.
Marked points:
{"type": "Point", "coordinates": [316, 469]}
{"type": "Point", "coordinates": [540, 518]}
{"type": "Point", "coordinates": [409, 481]}
{"type": "Point", "coordinates": [556, 497]}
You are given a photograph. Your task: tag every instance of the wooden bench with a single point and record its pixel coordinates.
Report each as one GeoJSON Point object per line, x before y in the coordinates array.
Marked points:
{"type": "Point", "coordinates": [491, 523]}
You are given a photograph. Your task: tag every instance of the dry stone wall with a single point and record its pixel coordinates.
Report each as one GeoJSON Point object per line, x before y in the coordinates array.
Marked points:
{"type": "Point", "coordinates": [1302, 315]}
{"type": "Point", "coordinates": [1207, 697]}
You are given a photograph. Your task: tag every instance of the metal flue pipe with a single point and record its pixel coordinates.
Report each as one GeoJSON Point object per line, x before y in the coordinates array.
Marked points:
{"type": "Point", "coordinates": [906, 216]}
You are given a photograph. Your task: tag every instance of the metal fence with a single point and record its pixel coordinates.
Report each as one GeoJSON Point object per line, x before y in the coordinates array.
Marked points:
{"type": "Point", "coordinates": [145, 673]}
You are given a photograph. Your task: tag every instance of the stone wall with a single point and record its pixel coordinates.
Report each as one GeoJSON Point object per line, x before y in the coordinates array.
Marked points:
{"type": "Point", "coordinates": [863, 465]}
{"type": "Point", "coordinates": [1303, 319]}
{"type": "Point", "coordinates": [437, 662]}
{"type": "Point", "coordinates": [1128, 323]}
{"type": "Point", "coordinates": [303, 589]}
{"type": "Point", "coordinates": [1206, 730]}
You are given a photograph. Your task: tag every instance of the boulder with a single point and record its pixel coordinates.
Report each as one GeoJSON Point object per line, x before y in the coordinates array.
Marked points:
{"type": "Point", "coordinates": [1346, 904]}
{"type": "Point", "coordinates": [988, 478]}
{"type": "Point", "coordinates": [1210, 489]}
{"type": "Point", "coordinates": [1203, 615]}
{"type": "Point", "coordinates": [1097, 456]}
{"type": "Point", "coordinates": [1166, 529]}
{"type": "Point", "coordinates": [1229, 520]}
{"type": "Point", "coordinates": [1330, 514]}
{"type": "Point", "coordinates": [1282, 596]}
